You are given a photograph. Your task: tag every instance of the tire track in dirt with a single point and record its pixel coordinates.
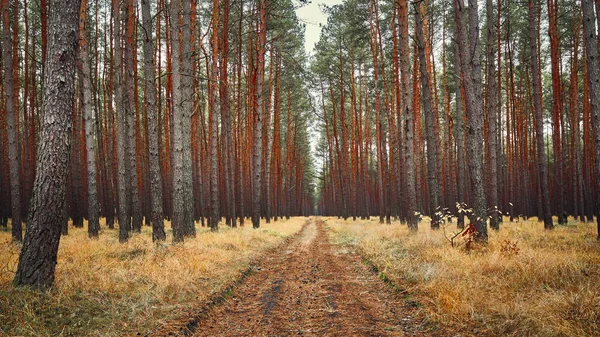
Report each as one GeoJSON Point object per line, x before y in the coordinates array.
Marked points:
{"type": "Point", "coordinates": [312, 288]}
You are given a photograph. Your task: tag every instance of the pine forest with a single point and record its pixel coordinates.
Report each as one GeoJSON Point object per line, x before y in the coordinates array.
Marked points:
{"type": "Point", "coordinates": [285, 167]}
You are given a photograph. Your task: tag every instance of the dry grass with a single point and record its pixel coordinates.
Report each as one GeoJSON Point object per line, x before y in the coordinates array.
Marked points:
{"type": "Point", "coordinates": [104, 288]}
{"type": "Point", "coordinates": [543, 283]}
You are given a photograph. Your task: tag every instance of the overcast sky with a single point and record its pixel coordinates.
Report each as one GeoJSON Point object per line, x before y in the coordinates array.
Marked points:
{"type": "Point", "coordinates": [312, 16]}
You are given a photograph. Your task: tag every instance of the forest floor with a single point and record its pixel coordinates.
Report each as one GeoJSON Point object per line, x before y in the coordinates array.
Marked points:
{"type": "Point", "coordinates": [105, 289]}
{"type": "Point", "coordinates": [315, 277]}
{"type": "Point", "coordinates": [526, 281]}
{"type": "Point", "coordinates": [310, 287]}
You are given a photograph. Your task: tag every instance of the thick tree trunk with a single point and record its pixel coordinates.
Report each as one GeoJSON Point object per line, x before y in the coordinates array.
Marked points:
{"type": "Point", "coordinates": [539, 120]}
{"type": "Point", "coordinates": [38, 257]}
{"type": "Point", "coordinates": [156, 193]}
{"type": "Point", "coordinates": [11, 115]}
{"type": "Point", "coordinates": [471, 79]}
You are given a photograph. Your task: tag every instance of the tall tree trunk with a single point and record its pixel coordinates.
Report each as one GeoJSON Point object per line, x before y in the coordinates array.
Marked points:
{"type": "Point", "coordinates": [258, 115]}
{"type": "Point", "coordinates": [39, 253]}
{"type": "Point", "coordinates": [409, 149]}
{"type": "Point", "coordinates": [90, 128]}
{"type": "Point", "coordinates": [460, 144]}
{"type": "Point", "coordinates": [539, 120]}
{"type": "Point", "coordinates": [214, 160]}
{"type": "Point", "coordinates": [492, 102]}
{"type": "Point", "coordinates": [470, 64]}
{"type": "Point", "coordinates": [179, 185]}
{"type": "Point", "coordinates": [156, 192]}
{"type": "Point", "coordinates": [11, 115]}
{"type": "Point", "coordinates": [593, 71]}
{"type": "Point", "coordinates": [121, 128]}
{"type": "Point", "coordinates": [381, 173]}
{"type": "Point", "coordinates": [129, 105]}
{"type": "Point", "coordinates": [226, 115]}
{"type": "Point", "coordinates": [557, 106]}
{"type": "Point", "coordinates": [431, 122]}
{"type": "Point", "coordinates": [188, 226]}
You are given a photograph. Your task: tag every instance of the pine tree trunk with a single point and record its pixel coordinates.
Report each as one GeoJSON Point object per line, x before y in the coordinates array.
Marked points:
{"type": "Point", "coordinates": [188, 226]}
{"type": "Point", "coordinates": [90, 128]}
{"type": "Point", "coordinates": [257, 148]}
{"type": "Point", "coordinates": [156, 192]}
{"type": "Point", "coordinates": [431, 122]}
{"type": "Point", "coordinates": [121, 128]}
{"type": "Point", "coordinates": [38, 257]}
{"type": "Point", "coordinates": [460, 145]}
{"type": "Point", "coordinates": [593, 71]}
{"type": "Point", "coordinates": [129, 107]}
{"type": "Point", "coordinates": [179, 185]}
{"type": "Point", "coordinates": [225, 116]}
{"type": "Point", "coordinates": [409, 149]}
{"type": "Point", "coordinates": [214, 160]}
{"type": "Point", "coordinates": [557, 105]}
{"type": "Point", "coordinates": [492, 102]}
{"type": "Point", "coordinates": [11, 115]}
{"type": "Point", "coordinates": [471, 80]}
{"type": "Point", "coordinates": [539, 120]}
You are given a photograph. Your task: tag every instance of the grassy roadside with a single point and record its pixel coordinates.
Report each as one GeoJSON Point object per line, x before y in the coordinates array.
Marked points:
{"type": "Point", "coordinates": [526, 282]}
{"type": "Point", "coordinates": [104, 288]}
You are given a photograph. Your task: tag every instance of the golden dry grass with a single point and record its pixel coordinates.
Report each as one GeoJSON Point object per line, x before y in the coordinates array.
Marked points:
{"type": "Point", "coordinates": [104, 288]}
{"type": "Point", "coordinates": [548, 286]}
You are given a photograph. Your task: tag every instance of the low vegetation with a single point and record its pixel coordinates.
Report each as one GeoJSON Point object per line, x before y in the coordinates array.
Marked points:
{"type": "Point", "coordinates": [525, 282]}
{"type": "Point", "coordinates": [104, 288]}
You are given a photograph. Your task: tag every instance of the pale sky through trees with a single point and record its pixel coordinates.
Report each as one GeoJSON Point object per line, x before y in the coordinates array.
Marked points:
{"type": "Point", "coordinates": [313, 17]}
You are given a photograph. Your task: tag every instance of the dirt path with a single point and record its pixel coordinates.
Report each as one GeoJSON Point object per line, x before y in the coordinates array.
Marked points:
{"type": "Point", "coordinates": [311, 288]}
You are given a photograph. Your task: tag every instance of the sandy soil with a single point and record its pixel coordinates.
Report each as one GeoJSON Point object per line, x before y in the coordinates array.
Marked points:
{"type": "Point", "coordinates": [310, 287]}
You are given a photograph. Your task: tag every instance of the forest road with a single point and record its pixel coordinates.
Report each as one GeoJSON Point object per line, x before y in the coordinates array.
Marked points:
{"type": "Point", "coordinates": [311, 287]}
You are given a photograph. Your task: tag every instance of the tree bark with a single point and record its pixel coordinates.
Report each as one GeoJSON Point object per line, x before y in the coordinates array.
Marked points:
{"type": "Point", "coordinates": [539, 120]}
{"type": "Point", "coordinates": [257, 148]}
{"type": "Point", "coordinates": [409, 149]}
{"type": "Point", "coordinates": [557, 105]}
{"type": "Point", "coordinates": [431, 122]}
{"type": "Point", "coordinates": [214, 160]}
{"type": "Point", "coordinates": [460, 145]}
{"type": "Point", "coordinates": [471, 80]}
{"type": "Point", "coordinates": [188, 226]}
{"type": "Point", "coordinates": [129, 106]}
{"type": "Point", "coordinates": [156, 192]}
{"type": "Point", "coordinates": [38, 257]}
{"type": "Point", "coordinates": [492, 108]}
{"type": "Point", "coordinates": [121, 127]}
{"type": "Point", "coordinates": [11, 115]}
{"type": "Point", "coordinates": [90, 128]}
{"type": "Point", "coordinates": [593, 71]}
{"type": "Point", "coordinates": [179, 186]}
